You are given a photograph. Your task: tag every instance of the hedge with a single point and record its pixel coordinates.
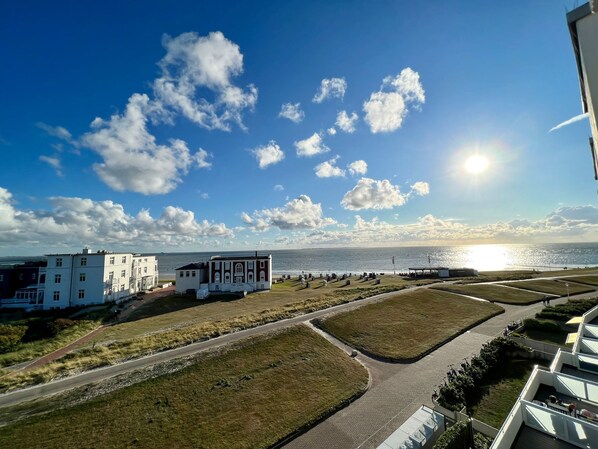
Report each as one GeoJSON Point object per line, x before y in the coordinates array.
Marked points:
{"type": "Point", "coordinates": [455, 437]}
{"type": "Point", "coordinates": [541, 325]}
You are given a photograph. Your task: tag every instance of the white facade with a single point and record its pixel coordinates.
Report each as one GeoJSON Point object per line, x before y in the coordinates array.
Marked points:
{"type": "Point", "coordinates": [95, 278]}
{"type": "Point", "coordinates": [226, 274]}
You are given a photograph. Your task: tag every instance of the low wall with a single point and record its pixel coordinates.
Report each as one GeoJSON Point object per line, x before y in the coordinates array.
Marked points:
{"type": "Point", "coordinates": [541, 349]}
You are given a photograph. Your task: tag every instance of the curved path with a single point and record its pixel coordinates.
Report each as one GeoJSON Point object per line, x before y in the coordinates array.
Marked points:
{"type": "Point", "coordinates": [396, 391]}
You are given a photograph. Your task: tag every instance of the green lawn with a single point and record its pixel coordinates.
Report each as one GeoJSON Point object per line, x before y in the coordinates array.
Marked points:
{"type": "Point", "coordinates": [407, 326]}
{"type": "Point", "coordinates": [248, 397]}
{"type": "Point", "coordinates": [501, 392]}
{"type": "Point", "coordinates": [550, 286]}
{"type": "Point", "coordinates": [590, 280]}
{"type": "Point", "coordinates": [557, 338]}
{"type": "Point", "coordinates": [493, 292]}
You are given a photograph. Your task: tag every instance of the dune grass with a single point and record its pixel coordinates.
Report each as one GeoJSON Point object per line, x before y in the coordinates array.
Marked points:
{"type": "Point", "coordinates": [590, 280]}
{"type": "Point", "coordinates": [493, 292]}
{"type": "Point", "coordinates": [407, 326]}
{"type": "Point", "coordinates": [502, 391]}
{"type": "Point", "coordinates": [550, 286]}
{"type": "Point", "coordinates": [186, 324]}
{"type": "Point", "coordinates": [251, 396]}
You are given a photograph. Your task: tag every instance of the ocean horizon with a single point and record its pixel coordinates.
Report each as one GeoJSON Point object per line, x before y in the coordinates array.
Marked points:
{"type": "Point", "coordinates": [487, 257]}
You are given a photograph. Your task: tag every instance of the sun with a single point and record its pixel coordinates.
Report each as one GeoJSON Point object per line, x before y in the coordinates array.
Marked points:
{"type": "Point", "coordinates": [476, 164]}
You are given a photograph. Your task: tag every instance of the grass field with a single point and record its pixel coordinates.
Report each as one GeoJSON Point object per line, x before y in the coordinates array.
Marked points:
{"type": "Point", "coordinates": [248, 397]}
{"type": "Point", "coordinates": [408, 325]}
{"type": "Point", "coordinates": [34, 349]}
{"type": "Point", "coordinates": [590, 280]}
{"type": "Point", "coordinates": [493, 292]}
{"type": "Point", "coordinates": [176, 321]}
{"type": "Point", "coordinates": [502, 391]}
{"type": "Point", "coordinates": [557, 338]}
{"type": "Point", "coordinates": [552, 287]}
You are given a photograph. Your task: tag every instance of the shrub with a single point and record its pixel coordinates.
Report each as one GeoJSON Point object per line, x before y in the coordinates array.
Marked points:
{"type": "Point", "coordinates": [462, 390]}
{"type": "Point", "coordinates": [481, 441]}
{"type": "Point", "coordinates": [10, 336]}
{"type": "Point", "coordinates": [39, 330]}
{"type": "Point", "coordinates": [64, 323]}
{"type": "Point", "coordinates": [541, 325]}
{"type": "Point", "coordinates": [455, 437]}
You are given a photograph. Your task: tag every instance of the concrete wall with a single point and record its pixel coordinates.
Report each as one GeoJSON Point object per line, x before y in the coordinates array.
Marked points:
{"type": "Point", "coordinates": [587, 32]}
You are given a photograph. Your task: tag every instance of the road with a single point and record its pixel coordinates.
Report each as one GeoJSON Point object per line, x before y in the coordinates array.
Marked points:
{"type": "Point", "coordinates": [396, 390]}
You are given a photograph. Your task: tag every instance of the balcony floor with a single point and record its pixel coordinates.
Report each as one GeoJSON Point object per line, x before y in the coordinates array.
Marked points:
{"type": "Point", "coordinates": [529, 438]}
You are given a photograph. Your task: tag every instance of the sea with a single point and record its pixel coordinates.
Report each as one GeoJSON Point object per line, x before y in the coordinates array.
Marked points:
{"type": "Point", "coordinates": [491, 257]}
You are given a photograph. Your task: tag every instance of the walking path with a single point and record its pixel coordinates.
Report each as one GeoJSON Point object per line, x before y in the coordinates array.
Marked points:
{"type": "Point", "coordinates": [396, 390]}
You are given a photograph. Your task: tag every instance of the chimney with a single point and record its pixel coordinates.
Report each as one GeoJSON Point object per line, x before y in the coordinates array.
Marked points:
{"type": "Point", "coordinates": [86, 250]}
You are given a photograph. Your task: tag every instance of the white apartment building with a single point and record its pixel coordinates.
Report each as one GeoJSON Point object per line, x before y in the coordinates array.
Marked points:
{"type": "Point", "coordinates": [86, 278]}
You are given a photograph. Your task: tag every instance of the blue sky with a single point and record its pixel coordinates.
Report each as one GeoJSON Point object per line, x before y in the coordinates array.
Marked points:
{"type": "Point", "coordinates": [161, 127]}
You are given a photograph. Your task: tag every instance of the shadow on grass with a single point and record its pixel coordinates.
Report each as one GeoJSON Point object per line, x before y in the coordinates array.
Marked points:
{"type": "Point", "coordinates": [173, 303]}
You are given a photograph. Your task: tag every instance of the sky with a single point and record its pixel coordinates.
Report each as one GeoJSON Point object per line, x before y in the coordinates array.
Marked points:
{"type": "Point", "coordinates": [200, 126]}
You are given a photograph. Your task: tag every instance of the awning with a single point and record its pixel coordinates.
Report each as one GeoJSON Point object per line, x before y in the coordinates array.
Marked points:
{"type": "Point", "coordinates": [572, 338]}
{"type": "Point", "coordinates": [575, 320]}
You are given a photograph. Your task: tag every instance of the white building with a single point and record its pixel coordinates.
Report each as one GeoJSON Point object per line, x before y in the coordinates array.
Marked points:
{"type": "Point", "coordinates": [82, 279]}
{"type": "Point", "coordinates": [226, 274]}
{"type": "Point", "coordinates": [583, 27]}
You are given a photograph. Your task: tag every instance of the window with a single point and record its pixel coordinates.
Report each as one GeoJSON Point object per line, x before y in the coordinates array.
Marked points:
{"type": "Point", "coordinates": [186, 274]}
{"type": "Point", "coordinates": [124, 259]}
{"type": "Point", "coordinates": [239, 268]}
{"type": "Point", "coordinates": [56, 296]}
{"type": "Point", "coordinates": [227, 265]}
{"type": "Point", "coordinates": [81, 294]}
{"type": "Point", "coordinates": [262, 264]}
{"type": "Point", "coordinates": [227, 278]}
{"type": "Point", "coordinates": [217, 278]}
{"type": "Point", "coordinates": [111, 275]}
{"type": "Point", "coordinates": [83, 261]}
{"type": "Point", "coordinates": [59, 261]}
{"type": "Point", "coordinates": [250, 276]}
{"type": "Point", "coordinates": [42, 279]}
{"type": "Point", "coordinates": [145, 260]}
{"type": "Point", "coordinates": [57, 278]}
{"type": "Point", "coordinates": [193, 274]}
{"type": "Point", "coordinates": [262, 276]}
{"type": "Point", "coordinates": [217, 265]}
{"type": "Point", "coordinates": [122, 287]}
{"type": "Point", "coordinates": [145, 269]}
{"type": "Point", "coordinates": [181, 274]}
{"type": "Point", "coordinates": [112, 260]}
{"type": "Point", "coordinates": [139, 271]}
{"type": "Point", "coordinates": [250, 265]}
{"type": "Point", "coordinates": [34, 276]}
{"type": "Point", "coordinates": [123, 273]}
{"type": "Point", "coordinates": [81, 277]}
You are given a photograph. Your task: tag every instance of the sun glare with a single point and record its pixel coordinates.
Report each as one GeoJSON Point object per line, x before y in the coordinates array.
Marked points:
{"type": "Point", "coordinates": [476, 164]}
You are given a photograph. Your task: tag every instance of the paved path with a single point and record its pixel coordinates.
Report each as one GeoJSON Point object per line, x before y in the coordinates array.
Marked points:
{"type": "Point", "coordinates": [396, 392]}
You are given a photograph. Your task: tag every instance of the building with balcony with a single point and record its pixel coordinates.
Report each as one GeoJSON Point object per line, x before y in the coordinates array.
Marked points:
{"type": "Point", "coordinates": [86, 278]}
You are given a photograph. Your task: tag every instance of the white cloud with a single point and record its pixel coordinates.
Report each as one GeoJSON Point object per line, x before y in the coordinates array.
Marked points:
{"type": "Point", "coordinates": [386, 109]}
{"type": "Point", "coordinates": [373, 194]}
{"type": "Point", "coordinates": [75, 222]}
{"type": "Point", "coordinates": [278, 187]}
{"type": "Point", "coordinates": [311, 146]}
{"type": "Point", "coordinates": [292, 112]}
{"type": "Point", "coordinates": [56, 131]}
{"type": "Point", "coordinates": [53, 162]}
{"type": "Point", "coordinates": [577, 118]}
{"type": "Point", "coordinates": [132, 160]}
{"type": "Point", "coordinates": [328, 169]}
{"type": "Point", "coordinates": [331, 131]}
{"type": "Point", "coordinates": [204, 195]}
{"type": "Point", "coordinates": [300, 213]}
{"type": "Point", "coordinates": [359, 167]}
{"type": "Point", "coordinates": [209, 62]}
{"type": "Point", "coordinates": [268, 154]}
{"type": "Point", "coordinates": [421, 188]}
{"type": "Point", "coordinates": [331, 88]}
{"type": "Point", "coordinates": [346, 122]}
{"type": "Point", "coordinates": [200, 158]}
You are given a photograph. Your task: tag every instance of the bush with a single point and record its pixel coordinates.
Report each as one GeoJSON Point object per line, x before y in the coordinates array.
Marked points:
{"type": "Point", "coordinates": [64, 323]}
{"type": "Point", "coordinates": [455, 437]}
{"type": "Point", "coordinates": [39, 330]}
{"type": "Point", "coordinates": [10, 336]}
{"type": "Point", "coordinates": [481, 441]}
{"type": "Point", "coordinates": [462, 389]}
{"type": "Point", "coordinates": [541, 325]}
{"type": "Point", "coordinates": [556, 316]}
{"type": "Point", "coordinates": [571, 308]}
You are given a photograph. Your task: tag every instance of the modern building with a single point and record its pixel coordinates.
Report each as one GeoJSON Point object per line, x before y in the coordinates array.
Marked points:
{"type": "Point", "coordinates": [20, 282]}
{"type": "Point", "coordinates": [558, 407]}
{"type": "Point", "coordinates": [86, 278]}
{"type": "Point", "coordinates": [583, 27]}
{"type": "Point", "coordinates": [226, 274]}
